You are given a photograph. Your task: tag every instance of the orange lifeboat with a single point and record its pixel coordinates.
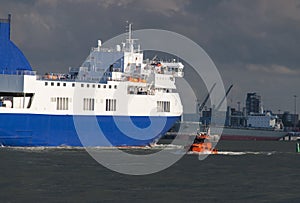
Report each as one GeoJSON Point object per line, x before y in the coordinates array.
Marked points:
{"type": "Point", "coordinates": [201, 145]}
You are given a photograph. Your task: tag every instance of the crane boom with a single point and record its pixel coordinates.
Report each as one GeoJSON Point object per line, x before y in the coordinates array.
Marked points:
{"type": "Point", "coordinates": [227, 92]}
{"type": "Point", "coordinates": [206, 98]}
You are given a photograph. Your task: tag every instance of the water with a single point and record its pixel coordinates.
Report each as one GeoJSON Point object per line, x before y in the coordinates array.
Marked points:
{"type": "Point", "coordinates": [244, 171]}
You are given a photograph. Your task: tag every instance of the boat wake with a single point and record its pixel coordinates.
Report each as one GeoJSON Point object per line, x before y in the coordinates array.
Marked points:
{"type": "Point", "coordinates": [178, 150]}
{"type": "Point", "coordinates": [234, 153]}
{"type": "Point", "coordinates": [41, 148]}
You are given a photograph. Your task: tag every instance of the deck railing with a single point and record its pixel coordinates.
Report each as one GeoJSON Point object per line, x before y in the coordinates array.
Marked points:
{"type": "Point", "coordinates": [17, 72]}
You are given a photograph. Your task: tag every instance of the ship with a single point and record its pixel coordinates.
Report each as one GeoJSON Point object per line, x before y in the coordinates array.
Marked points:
{"type": "Point", "coordinates": [259, 126]}
{"type": "Point", "coordinates": [132, 100]}
{"type": "Point", "coordinates": [202, 144]}
{"type": "Point", "coordinates": [244, 133]}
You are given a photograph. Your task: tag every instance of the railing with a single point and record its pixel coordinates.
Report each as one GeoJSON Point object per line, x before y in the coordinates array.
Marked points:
{"type": "Point", "coordinates": [18, 72]}
{"type": "Point", "coordinates": [56, 77]}
{"type": "Point", "coordinates": [102, 49]}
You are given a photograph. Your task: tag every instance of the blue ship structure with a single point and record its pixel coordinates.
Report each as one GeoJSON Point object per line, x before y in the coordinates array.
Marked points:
{"type": "Point", "coordinates": [11, 57]}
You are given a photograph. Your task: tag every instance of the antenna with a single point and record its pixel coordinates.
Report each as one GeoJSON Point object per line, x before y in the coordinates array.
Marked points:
{"type": "Point", "coordinates": [129, 37]}
{"type": "Point", "coordinates": [129, 31]}
{"type": "Point", "coordinates": [129, 40]}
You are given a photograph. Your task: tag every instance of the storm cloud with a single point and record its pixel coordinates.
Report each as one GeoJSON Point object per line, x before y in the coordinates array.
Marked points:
{"type": "Point", "coordinates": [255, 44]}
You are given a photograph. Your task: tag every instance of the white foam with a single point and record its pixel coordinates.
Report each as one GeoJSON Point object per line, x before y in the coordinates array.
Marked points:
{"type": "Point", "coordinates": [179, 148]}
{"type": "Point", "coordinates": [245, 153]}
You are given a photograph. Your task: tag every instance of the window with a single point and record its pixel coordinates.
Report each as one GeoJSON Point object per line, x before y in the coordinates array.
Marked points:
{"type": "Point", "coordinates": [93, 86]}
{"type": "Point", "coordinates": [109, 86]}
{"type": "Point", "coordinates": [64, 84]}
{"type": "Point", "coordinates": [82, 85]}
{"type": "Point", "coordinates": [99, 86]}
{"type": "Point", "coordinates": [46, 83]}
{"type": "Point", "coordinates": [73, 84]}
{"type": "Point", "coordinates": [87, 85]}
{"type": "Point", "coordinates": [62, 103]}
{"type": "Point", "coordinates": [104, 86]}
{"type": "Point", "coordinates": [58, 84]}
{"type": "Point", "coordinates": [115, 86]}
{"type": "Point", "coordinates": [111, 105]}
{"type": "Point", "coordinates": [163, 106]}
{"type": "Point", "coordinates": [52, 83]}
{"type": "Point", "coordinates": [88, 104]}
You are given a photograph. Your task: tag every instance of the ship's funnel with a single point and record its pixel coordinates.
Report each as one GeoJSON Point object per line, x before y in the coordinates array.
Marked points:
{"type": "Point", "coordinates": [12, 59]}
{"type": "Point", "coordinates": [5, 28]}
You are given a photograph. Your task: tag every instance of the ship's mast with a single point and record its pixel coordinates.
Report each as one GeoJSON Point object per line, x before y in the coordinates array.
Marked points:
{"type": "Point", "coordinates": [130, 41]}
{"type": "Point", "coordinates": [129, 32]}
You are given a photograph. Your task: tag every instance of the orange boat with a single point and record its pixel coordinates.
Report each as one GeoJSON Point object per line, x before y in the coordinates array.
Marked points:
{"type": "Point", "coordinates": [201, 145]}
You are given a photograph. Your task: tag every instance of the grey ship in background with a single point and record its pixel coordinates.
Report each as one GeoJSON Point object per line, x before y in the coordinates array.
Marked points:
{"type": "Point", "coordinates": [250, 123]}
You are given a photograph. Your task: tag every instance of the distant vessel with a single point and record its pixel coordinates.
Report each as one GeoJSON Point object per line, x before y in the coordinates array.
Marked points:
{"type": "Point", "coordinates": [112, 84]}
{"type": "Point", "coordinates": [260, 126]}
{"type": "Point", "coordinates": [256, 132]}
{"type": "Point", "coordinates": [230, 133]}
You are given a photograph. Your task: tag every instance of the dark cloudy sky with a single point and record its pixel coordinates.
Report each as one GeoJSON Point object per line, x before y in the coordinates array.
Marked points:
{"type": "Point", "coordinates": [254, 44]}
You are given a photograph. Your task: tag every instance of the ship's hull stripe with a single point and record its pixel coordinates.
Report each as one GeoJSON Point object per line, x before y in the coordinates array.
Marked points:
{"type": "Point", "coordinates": [59, 130]}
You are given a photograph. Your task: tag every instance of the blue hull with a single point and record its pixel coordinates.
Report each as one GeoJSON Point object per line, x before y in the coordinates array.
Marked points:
{"type": "Point", "coordinates": [59, 130]}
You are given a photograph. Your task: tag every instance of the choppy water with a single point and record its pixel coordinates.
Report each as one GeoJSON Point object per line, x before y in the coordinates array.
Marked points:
{"type": "Point", "coordinates": [243, 171]}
